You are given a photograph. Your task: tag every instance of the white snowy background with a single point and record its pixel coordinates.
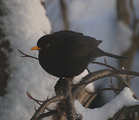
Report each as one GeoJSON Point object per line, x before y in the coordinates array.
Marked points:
{"type": "Point", "coordinates": [26, 22]}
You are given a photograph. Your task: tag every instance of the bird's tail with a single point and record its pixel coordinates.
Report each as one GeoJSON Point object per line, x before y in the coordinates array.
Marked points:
{"type": "Point", "coordinates": [114, 56]}
{"type": "Point", "coordinates": [110, 55]}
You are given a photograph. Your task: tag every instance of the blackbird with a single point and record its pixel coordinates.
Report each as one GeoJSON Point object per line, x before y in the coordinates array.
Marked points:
{"type": "Point", "coordinates": [68, 53]}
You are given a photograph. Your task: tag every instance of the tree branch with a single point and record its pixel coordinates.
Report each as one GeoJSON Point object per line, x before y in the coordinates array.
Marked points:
{"type": "Point", "coordinates": [64, 14]}
{"type": "Point", "coordinates": [125, 111]}
{"type": "Point", "coordinates": [25, 55]}
{"type": "Point", "coordinates": [45, 104]}
{"type": "Point", "coordinates": [97, 75]}
{"type": "Point", "coordinates": [70, 102]}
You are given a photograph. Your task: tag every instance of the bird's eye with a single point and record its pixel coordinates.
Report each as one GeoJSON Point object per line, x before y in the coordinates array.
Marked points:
{"type": "Point", "coordinates": [48, 45]}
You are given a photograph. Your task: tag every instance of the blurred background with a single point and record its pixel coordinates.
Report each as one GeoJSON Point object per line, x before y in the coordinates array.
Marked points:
{"type": "Point", "coordinates": [22, 23]}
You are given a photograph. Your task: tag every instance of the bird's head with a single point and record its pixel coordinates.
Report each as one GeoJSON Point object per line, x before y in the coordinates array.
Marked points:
{"type": "Point", "coordinates": [43, 43]}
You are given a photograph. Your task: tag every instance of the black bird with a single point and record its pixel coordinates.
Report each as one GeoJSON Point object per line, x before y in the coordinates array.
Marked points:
{"type": "Point", "coordinates": [67, 53]}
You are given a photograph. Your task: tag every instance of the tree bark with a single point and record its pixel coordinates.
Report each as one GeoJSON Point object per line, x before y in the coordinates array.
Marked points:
{"type": "Point", "coordinates": [4, 51]}
{"type": "Point", "coordinates": [126, 14]}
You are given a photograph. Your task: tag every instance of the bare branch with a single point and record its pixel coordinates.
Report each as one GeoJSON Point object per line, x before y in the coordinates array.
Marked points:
{"type": "Point", "coordinates": [45, 104]}
{"type": "Point", "coordinates": [104, 64]}
{"type": "Point", "coordinates": [37, 101]}
{"type": "Point", "coordinates": [125, 111]}
{"type": "Point", "coordinates": [102, 90]}
{"type": "Point", "coordinates": [97, 75]}
{"type": "Point", "coordinates": [113, 86]}
{"type": "Point", "coordinates": [25, 55]}
{"type": "Point", "coordinates": [124, 78]}
{"type": "Point", "coordinates": [47, 114]}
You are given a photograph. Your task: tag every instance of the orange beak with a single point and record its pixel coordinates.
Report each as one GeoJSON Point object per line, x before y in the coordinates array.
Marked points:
{"type": "Point", "coordinates": [36, 48]}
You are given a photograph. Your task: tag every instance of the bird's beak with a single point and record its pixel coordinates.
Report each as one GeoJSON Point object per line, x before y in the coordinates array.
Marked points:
{"type": "Point", "coordinates": [36, 48]}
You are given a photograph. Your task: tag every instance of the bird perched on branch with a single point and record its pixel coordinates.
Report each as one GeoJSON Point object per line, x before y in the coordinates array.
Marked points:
{"type": "Point", "coordinates": [67, 53]}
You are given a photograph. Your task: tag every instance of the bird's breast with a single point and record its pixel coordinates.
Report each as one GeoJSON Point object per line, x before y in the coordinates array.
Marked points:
{"type": "Point", "coordinates": [62, 64]}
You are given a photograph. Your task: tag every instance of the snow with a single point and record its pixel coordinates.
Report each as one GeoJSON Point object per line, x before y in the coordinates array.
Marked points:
{"type": "Point", "coordinates": [108, 110]}
{"type": "Point", "coordinates": [89, 87]}
{"type": "Point", "coordinates": [25, 22]}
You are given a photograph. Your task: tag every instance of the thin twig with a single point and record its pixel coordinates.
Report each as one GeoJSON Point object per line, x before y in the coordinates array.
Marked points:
{"type": "Point", "coordinates": [25, 55]}
{"type": "Point", "coordinates": [29, 95]}
{"type": "Point", "coordinates": [104, 64]}
{"type": "Point", "coordinates": [105, 61]}
{"type": "Point", "coordinates": [124, 80]}
{"type": "Point", "coordinates": [36, 100]}
{"type": "Point", "coordinates": [113, 86]}
{"type": "Point", "coordinates": [102, 90]}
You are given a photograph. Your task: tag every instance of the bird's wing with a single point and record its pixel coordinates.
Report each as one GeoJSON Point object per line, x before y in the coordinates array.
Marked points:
{"type": "Point", "coordinates": [74, 44]}
{"type": "Point", "coordinates": [84, 46]}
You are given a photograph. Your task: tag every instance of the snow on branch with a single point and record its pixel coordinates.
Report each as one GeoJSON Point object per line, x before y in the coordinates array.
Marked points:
{"type": "Point", "coordinates": [124, 103]}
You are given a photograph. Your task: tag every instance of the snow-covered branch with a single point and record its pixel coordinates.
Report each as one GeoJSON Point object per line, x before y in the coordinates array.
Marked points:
{"type": "Point", "coordinates": [61, 89]}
